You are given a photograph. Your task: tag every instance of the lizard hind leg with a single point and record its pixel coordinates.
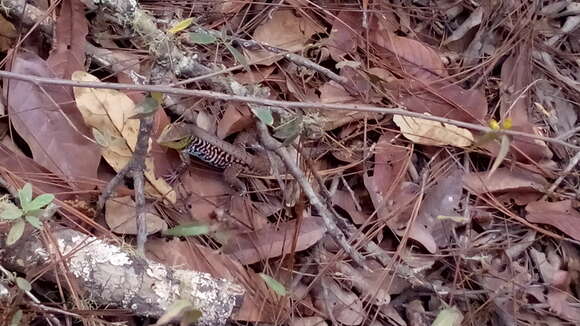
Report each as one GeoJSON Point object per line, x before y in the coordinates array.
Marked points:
{"type": "Point", "coordinates": [231, 175]}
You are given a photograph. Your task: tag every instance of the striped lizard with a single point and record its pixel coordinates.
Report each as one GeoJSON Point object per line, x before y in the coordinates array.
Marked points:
{"type": "Point", "coordinates": [232, 158]}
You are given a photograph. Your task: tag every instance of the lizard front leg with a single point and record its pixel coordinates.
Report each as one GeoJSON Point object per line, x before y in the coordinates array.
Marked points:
{"type": "Point", "coordinates": [231, 175]}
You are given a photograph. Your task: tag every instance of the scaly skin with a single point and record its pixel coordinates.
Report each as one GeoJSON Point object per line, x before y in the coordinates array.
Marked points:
{"type": "Point", "coordinates": [232, 158]}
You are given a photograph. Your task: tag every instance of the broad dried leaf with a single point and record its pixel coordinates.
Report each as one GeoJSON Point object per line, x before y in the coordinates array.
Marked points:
{"type": "Point", "coordinates": [109, 111]}
{"type": "Point", "coordinates": [346, 306]}
{"type": "Point", "coordinates": [24, 168]}
{"type": "Point", "coordinates": [504, 180]}
{"type": "Point", "coordinates": [423, 87]}
{"type": "Point", "coordinates": [560, 215]}
{"type": "Point", "coordinates": [428, 132]}
{"type": "Point", "coordinates": [56, 135]}
{"type": "Point", "coordinates": [270, 242]}
{"type": "Point", "coordinates": [68, 53]}
{"type": "Point", "coordinates": [308, 321]}
{"type": "Point", "coordinates": [516, 76]}
{"type": "Point", "coordinates": [7, 34]}
{"type": "Point", "coordinates": [283, 30]}
{"type": "Point", "coordinates": [121, 219]}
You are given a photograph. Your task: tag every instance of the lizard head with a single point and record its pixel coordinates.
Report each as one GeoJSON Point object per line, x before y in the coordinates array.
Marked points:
{"type": "Point", "coordinates": [176, 136]}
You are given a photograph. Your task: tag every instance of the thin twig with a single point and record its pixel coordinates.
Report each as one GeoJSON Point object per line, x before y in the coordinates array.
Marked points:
{"type": "Point", "coordinates": [328, 218]}
{"type": "Point", "coordinates": [277, 103]}
{"type": "Point", "coordinates": [137, 167]}
{"type": "Point", "coordinates": [573, 162]}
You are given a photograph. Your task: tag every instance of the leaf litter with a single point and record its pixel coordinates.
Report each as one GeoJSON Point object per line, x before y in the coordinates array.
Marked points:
{"type": "Point", "coordinates": [456, 225]}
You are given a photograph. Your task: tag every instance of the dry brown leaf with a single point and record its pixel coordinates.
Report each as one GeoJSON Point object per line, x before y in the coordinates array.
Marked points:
{"type": "Point", "coordinates": [516, 77]}
{"type": "Point", "coordinates": [428, 132]}
{"type": "Point", "coordinates": [7, 34]}
{"type": "Point", "coordinates": [269, 242]}
{"type": "Point", "coordinates": [423, 87]}
{"type": "Point", "coordinates": [109, 112]}
{"type": "Point", "coordinates": [120, 217]}
{"type": "Point", "coordinates": [68, 53]}
{"type": "Point", "coordinates": [47, 119]}
{"type": "Point", "coordinates": [346, 306]}
{"type": "Point", "coordinates": [14, 164]}
{"type": "Point", "coordinates": [283, 30]}
{"type": "Point", "coordinates": [344, 200]}
{"type": "Point", "coordinates": [308, 321]}
{"type": "Point", "coordinates": [504, 180]}
{"type": "Point", "coordinates": [560, 215]}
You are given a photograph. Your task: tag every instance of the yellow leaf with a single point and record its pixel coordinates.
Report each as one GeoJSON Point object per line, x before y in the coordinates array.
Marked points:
{"type": "Point", "coordinates": [109, 112]}
{"type": "Point", "coordinates": [507, 123]}
{"type": "Point", "coordinates": [494, 124]}
{"type": "Point", "coordinates": [434, 133]}
{"type": "Point", "coordinates": [180, 26]}
{"type": "Point", "coordinates": [504, 148]}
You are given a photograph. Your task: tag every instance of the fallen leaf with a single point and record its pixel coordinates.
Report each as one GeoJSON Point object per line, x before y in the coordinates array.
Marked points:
{"type": "Point", "coordinates": [504, 180]}
{"type": "Point", "coordinates": [17, 165]}
{"type": "Point", "coordinates": [345, 34]}
{"type": "Point", "coordinates": [7, 34]}
{"type": "Point", "coordinates": [46, 117]}
{"type": "Point", "coordinates": [346, 306]}
{"type": "Point", "coordinates": [434, 133]}
{"type": "Point", "coordinates": [108, 111]}
{"type": "Point", "coordinates": [121, 219]}
{"type": "Point", "coordinates": [283, 30]}
{"type": "Point", "coordinates": [516, 76]}
{"type": "Point", "coordinates": [71, 29]}
{"type": "Point", "coordinates": [560, 215]}
{"type": "Point", "coordinates": [344, 200]}
{"type": "Point", "coordinates": [308, 321]}
{"type": "Point", "coordinates": [271, 242]}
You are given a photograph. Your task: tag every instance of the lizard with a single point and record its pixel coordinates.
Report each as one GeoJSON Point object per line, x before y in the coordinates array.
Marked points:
{"type": "Point", "coordinates": [233, 159]}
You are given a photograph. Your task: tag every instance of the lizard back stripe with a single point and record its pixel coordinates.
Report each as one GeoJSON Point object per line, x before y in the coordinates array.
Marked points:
{"type": "Point", "coordinates": [210, 153]}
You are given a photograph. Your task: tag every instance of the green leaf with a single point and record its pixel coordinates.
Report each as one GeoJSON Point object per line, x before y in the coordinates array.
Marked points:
{"type": "Point", "coordinates": [187, 230]}
{"type": "Point", "coordinates": [191, 317]}
{"type": "Point", "coordinates": [34, 221]}
{"type": "Point", "coordinates": [504, 148]}
{"type": "Point", "coordinates": [11, 212]}
{"type": "Point", "coordinates": [16, 318]}
{"type": "Point", "coordinates": [265, 115]}
{"type": "Point", "coordinates": [202, 37]}
{"type": "Point", "coordinates": [274, 285]}
{"type": "Point", "coordinates": [290, 130]}
{"type": "Point", "coordinates": [238, 56]}
{"type": "Point", "coordinates": [181, 26]}
{"type": "Point", "coordinates": [100, 138]}
{"type": "Point", "coordinates": [174, 311]}
{"type": "Point", "coordinates": [15, 232]}
{"type": "Point", "coordinates": [25, 194]}
{"type": "Point", "coordinates": [146, 108]}
{"type": "Point", "coordinates": [38, 202]}
{"type": "Point", "coordinates": [448, 317]}
{"type": "Point", "coordinates": [23, 284]}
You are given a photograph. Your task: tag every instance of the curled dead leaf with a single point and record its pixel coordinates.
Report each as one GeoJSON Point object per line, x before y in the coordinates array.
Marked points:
{"type": "Point", "coordinates": [109, 111]}
{"type": "Point", "coordinates": [434, 133]}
